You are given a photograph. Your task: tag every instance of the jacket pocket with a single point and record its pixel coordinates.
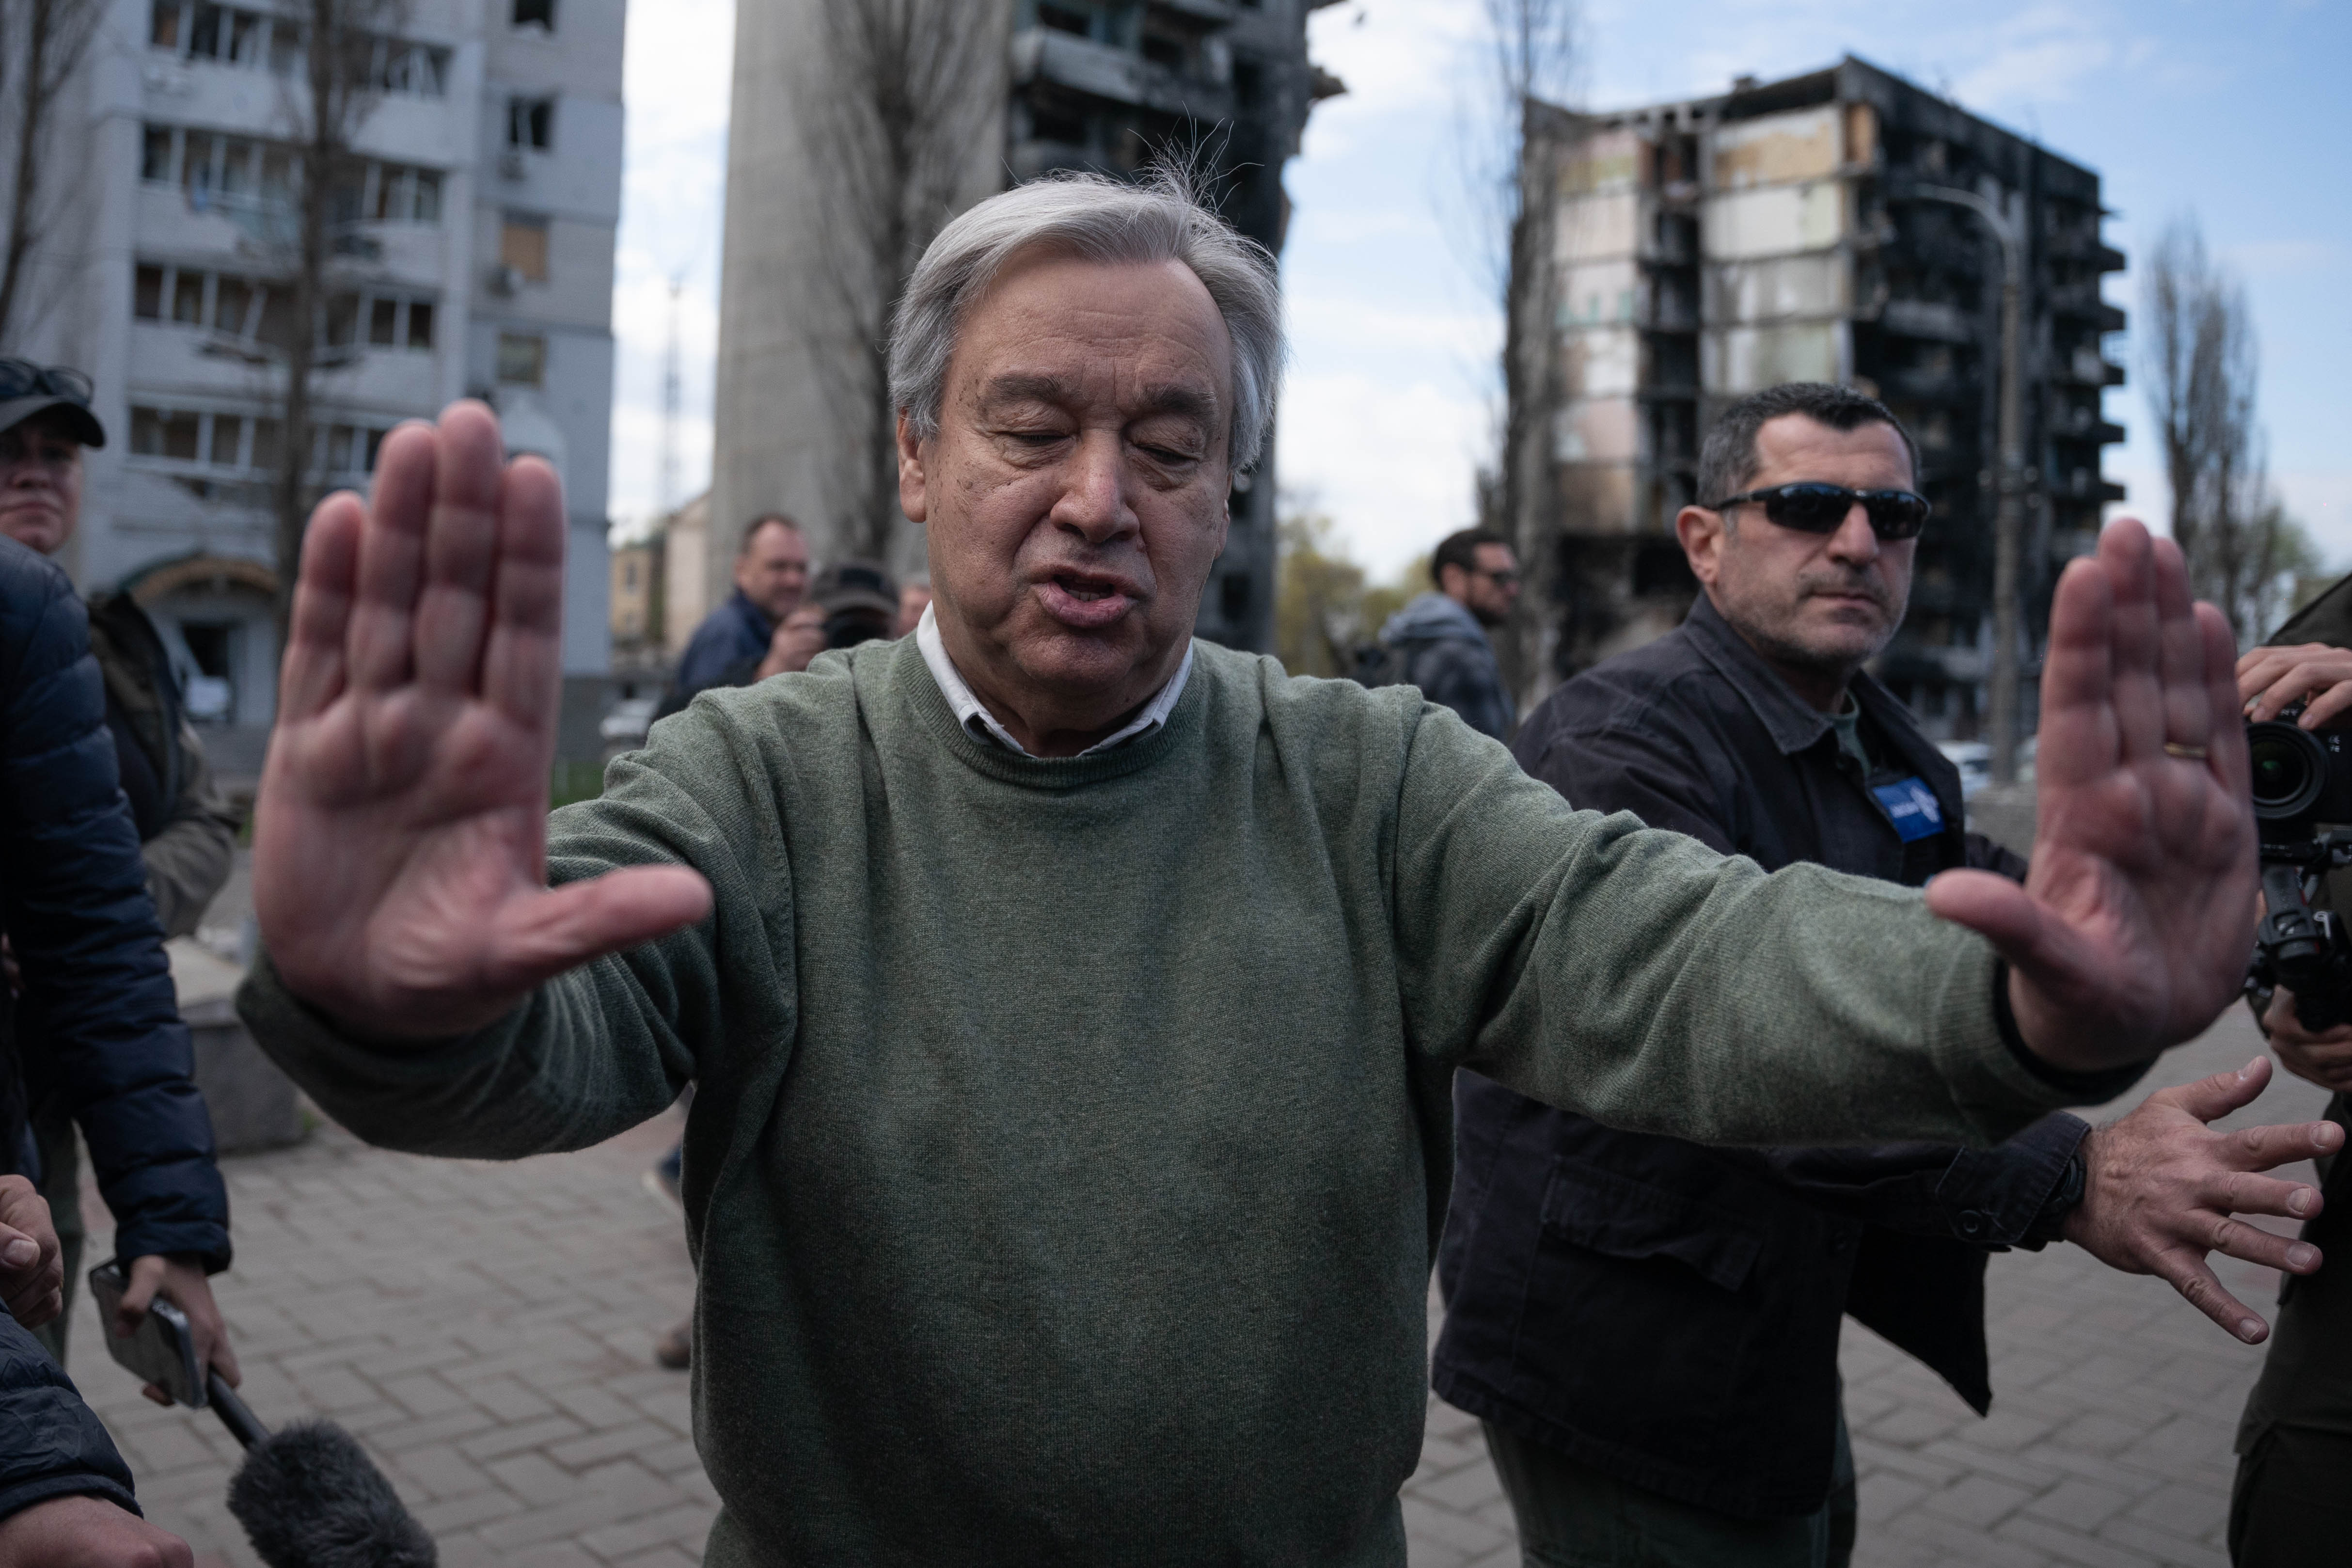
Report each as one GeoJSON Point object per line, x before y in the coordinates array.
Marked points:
{"type": "Point", "coordinates": [1617, 1217]}
{"type": "Point", "coordinates": [1640, 1315]}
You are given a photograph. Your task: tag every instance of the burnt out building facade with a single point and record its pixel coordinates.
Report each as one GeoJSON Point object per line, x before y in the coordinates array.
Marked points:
{"type": "Point", "coordinates": [1699, 250]}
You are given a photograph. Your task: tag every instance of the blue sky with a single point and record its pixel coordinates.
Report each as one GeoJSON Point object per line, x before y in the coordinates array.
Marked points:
{"type": "Point", "coordinates": [2236, 113]}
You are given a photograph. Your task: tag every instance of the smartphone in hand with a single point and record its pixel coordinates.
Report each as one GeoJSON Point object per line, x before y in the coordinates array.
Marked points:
{"type": "Point", "coordinates": [161, 1350]}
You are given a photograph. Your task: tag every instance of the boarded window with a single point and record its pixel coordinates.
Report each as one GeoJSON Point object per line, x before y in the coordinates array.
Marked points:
{"type": "Point", "coordinates": [232, 298]}
{"type": "Point", "coordinates": [420, 325]}
{"type": "Point", "coordinates": [188, 299]}
{"type": "Point", "coordinates": [522, 359]}
{"type": "Point", "coordinates": [383, 320]}
{"type": "Point", "coordinates": [147, 294]}
{"type": "Point", "coordinates": [523, 244]}
{"type": "Point", "coordinates": [226, 431]}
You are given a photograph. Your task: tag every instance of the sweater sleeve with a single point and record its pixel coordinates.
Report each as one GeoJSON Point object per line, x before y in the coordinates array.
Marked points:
{"type": "Point", "coordinates": [601, 1047]}
{"type": "Point", "coordinates": [1642, 979]}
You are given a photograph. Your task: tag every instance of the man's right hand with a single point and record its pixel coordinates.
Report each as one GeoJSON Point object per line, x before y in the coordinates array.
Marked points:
{"type": "Point", "coordinates": [400, 838]}
{"type": "Point", "coordinates": [87, 1533]}
{"type": "Point", "coordinates": [32, 1265]}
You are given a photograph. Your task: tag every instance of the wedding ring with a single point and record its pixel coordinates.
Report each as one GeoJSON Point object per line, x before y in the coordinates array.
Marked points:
{"type": "Point", "coordinates": [2175, 749]}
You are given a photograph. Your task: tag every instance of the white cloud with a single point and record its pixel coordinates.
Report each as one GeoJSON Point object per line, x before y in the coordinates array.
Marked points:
{"type": "Point", "coordinates": [1391, 463]}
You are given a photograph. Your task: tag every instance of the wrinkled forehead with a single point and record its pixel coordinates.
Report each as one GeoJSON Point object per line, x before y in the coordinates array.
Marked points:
{"type": "Point", "coordinates": [1063, 328]}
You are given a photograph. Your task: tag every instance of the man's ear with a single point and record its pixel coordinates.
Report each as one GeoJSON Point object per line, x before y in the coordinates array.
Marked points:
{"type": "Point", "coordinates": [914, 492]}
{"type": "Point", "coordinates": [1701, 533]}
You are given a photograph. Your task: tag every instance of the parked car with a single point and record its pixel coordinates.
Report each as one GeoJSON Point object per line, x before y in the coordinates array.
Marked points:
{"type": "Point", "coordinates": [626, 721]}
{"type": "Point", "coordinates": [1974, 759]}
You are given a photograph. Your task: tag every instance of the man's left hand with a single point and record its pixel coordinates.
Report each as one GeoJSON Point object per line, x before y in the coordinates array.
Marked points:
{"type": "Point", "coordinates": [181, 1281]}
{"type": "Point", "coordinates": [2132, 930]}
{"type": "Point", "coordinates": [2160, 1190]}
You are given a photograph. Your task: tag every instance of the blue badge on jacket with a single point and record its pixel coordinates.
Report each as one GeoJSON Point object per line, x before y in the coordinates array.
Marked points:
{"type": "Point", "coordinates": [1912, 807]}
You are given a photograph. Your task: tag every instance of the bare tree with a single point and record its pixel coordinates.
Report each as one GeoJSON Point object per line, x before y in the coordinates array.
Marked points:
{"type": "Point", "coordinates": [897, 99]}
{"type": "Point", "coordinates": [314, 228]}
{"type": "Point", "coordinates": [2202, 367]}
{"type": "Point", "coordinates": [42, 43]}
{"type": "Point", "coordinates": [1529, 50]}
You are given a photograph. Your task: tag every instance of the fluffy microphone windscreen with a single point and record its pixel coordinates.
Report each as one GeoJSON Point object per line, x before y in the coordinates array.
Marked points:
{"type": "Point", "coordinates": [309, 1496]}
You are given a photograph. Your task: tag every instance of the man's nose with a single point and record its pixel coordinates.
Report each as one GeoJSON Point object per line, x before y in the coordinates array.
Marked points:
{"type": "Point", "coordinates": [1093, 502]}
{"type": "Point", "coordinates": [1855, 540]}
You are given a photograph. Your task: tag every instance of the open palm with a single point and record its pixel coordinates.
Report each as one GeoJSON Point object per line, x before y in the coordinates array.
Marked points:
{"type": "Point", "coordinates": [2137, 915]}
{"type": "Point", "coordinates": [399, 866]}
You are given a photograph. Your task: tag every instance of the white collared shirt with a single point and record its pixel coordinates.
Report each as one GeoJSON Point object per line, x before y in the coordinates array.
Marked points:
{"type": "Point", "coordinates": [974, 716]}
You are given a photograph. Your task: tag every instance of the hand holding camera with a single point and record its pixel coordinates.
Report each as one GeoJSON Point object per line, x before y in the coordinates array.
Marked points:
{"type": "Point", "coordinates": [2301, 979]}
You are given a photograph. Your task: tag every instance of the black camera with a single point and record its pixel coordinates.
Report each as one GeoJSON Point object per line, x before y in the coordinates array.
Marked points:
{"type": "Point", "coordinates": [2303, 818]}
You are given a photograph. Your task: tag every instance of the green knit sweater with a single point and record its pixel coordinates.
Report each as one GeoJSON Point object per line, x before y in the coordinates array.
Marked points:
{"type": "Point", "coordinates": [1071, 1134]}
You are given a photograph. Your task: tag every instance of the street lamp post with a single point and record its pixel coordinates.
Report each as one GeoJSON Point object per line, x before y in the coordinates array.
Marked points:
{"type": "Point", "coordinates": [2009, 520]}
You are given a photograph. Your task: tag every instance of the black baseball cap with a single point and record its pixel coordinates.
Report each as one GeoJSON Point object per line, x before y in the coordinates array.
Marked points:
{"type": "Point", "coordinates": [855, 584]}
{"type": "Point", "coordinates": [27, 389]}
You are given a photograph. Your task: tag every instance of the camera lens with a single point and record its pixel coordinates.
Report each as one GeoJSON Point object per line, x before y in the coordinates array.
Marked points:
{"type": "Point", "coordinates": [2289, 769]}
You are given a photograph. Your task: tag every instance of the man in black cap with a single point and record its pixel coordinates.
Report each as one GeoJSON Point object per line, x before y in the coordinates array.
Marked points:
{"type": "Point", "coordinates": [187, 838]}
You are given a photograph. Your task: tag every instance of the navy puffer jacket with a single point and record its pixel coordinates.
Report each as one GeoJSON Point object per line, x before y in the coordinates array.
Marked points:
{"type": "Point", "coordinates": [73, 902]}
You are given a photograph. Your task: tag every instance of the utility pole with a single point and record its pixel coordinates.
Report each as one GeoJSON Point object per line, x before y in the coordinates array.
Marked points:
{"type": "Point", "coordinates": [670, 403]}
{"type": "Point", "coordinates": [2009, 517]}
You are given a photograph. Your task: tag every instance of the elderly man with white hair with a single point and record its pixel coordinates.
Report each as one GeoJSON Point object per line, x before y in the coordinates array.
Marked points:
{"type": "Point", "coordinates": [1073, 1004]}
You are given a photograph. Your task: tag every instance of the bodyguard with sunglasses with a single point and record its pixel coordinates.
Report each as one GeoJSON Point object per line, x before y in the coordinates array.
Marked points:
{"type": "Point", "coordinates": [1649, 1328]}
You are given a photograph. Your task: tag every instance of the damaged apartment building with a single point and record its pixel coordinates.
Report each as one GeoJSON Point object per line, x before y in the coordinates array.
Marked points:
{"type": "Point", "coordinates": [1790, 231]}
{"type": "Point", "coordinates": [1101, 85]}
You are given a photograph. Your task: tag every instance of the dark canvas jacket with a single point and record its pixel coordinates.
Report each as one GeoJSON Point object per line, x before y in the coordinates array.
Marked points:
{"type": "Point", "coordinates": [98, 1023]}
{"type": "Point", "coordinates": [1668, 1314]}
{"type": "Point", "coordinates": [187, 834]}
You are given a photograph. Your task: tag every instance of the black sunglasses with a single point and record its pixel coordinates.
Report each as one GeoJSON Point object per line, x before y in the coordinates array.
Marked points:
{"type": "Point", "coordinates": [1814, 508]}
{"type": "Point", "coordinates": [23, 378]}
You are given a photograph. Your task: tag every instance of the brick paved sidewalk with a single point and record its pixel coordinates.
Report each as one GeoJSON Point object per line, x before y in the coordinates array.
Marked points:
{"type": "Point", "coordinates": [487, 1330]}
{"type": "Point", "coordinates": [2108, 1446]}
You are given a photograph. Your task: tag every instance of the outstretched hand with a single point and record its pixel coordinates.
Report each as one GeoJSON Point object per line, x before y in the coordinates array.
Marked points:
{"type": "Point", "coordinates": [2160, 1190]}
{"type": "Point", "coordinates": [400, 837]}
{"type": "Point", "coordinates": [2132, 931]}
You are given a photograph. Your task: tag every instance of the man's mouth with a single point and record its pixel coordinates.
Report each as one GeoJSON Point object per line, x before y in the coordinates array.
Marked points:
{"type": "Point", "coordinates": [1087, 601]}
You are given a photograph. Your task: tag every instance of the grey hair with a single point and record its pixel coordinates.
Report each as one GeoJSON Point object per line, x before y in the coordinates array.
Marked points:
{"type": "Point", "coordinates": [1102, 220]}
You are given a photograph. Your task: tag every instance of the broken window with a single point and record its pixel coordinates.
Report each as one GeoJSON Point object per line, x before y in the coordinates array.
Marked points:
{"type": "Point", "coordinates": [204, 35]}
{"type": "Point", "coordinates": [420, 325]}
{"type": "Point", "coordinates": [535, 13]}
{"type": "Point", "coordinates": [155, 154]}
{"type": "Point", "coordinates": [268, 449]}
{"type": "Point", "coordinates": [530, 122]}
{"type": "Point", "coordinates": [147, 294]}
{"type": "Point", "coordinates": [162, 433]}
{"type": "Point", "coordinates": [1075, 19]}
{"type": "Point", "coordinates": [228, 432]}
{"type": "Point", "coordinates": [383, 320]}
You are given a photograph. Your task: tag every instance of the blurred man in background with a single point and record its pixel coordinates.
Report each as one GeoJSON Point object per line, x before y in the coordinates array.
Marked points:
{"type": "Point", "coordinates": [187, 838]}
{"type": "Point", "coordinates": [772, 577]}
{"type": "Point", "coordinates": [1438, 641]}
